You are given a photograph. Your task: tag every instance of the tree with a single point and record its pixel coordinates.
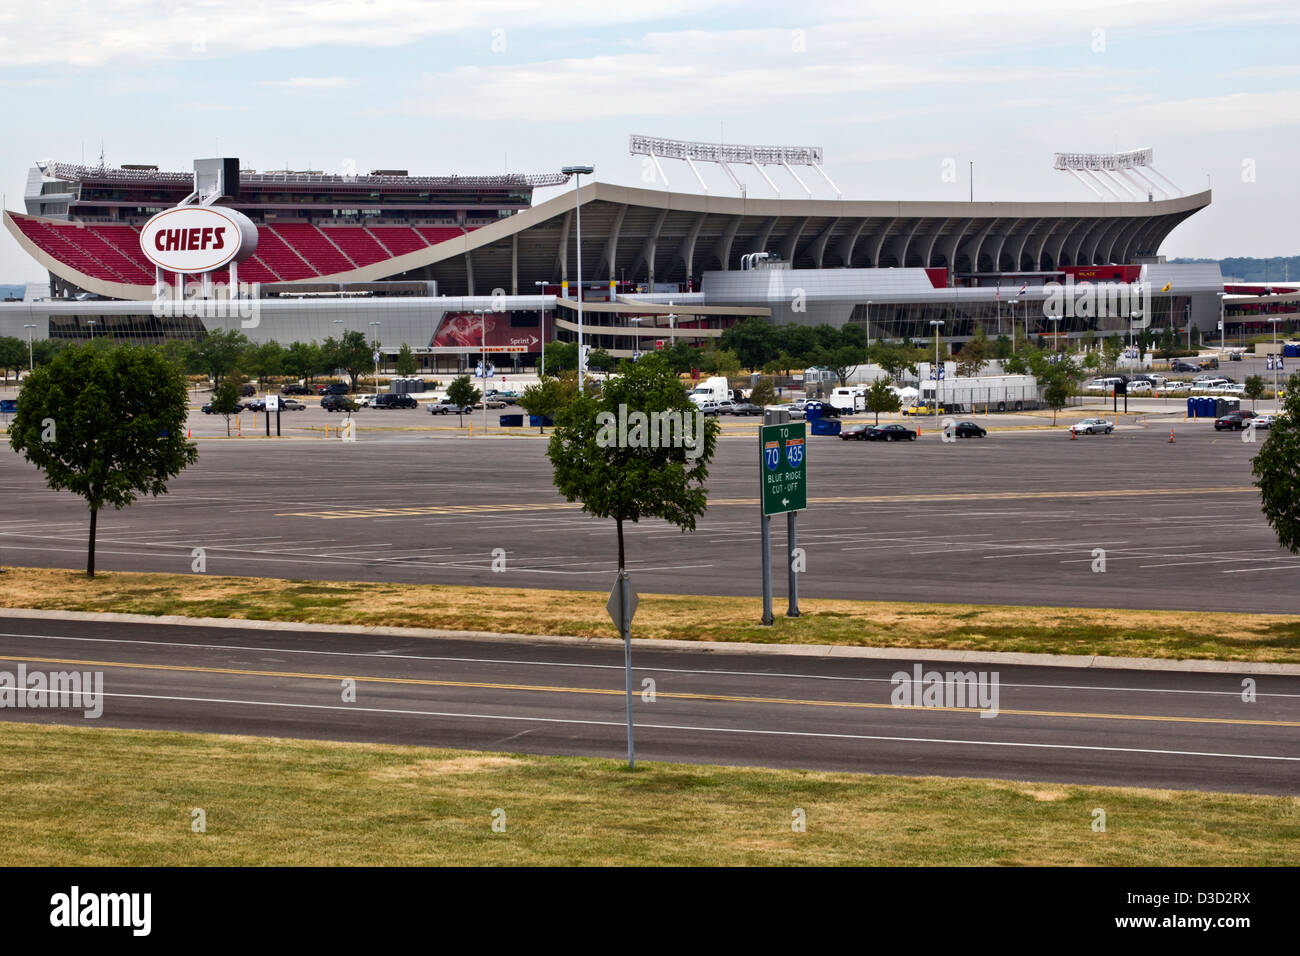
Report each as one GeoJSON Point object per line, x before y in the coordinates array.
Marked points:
{"type": "Point", "coordinates": [463, 394]}
{"type": "Point", "coordinates": [1092, 361]}
{"type": "Point", "coordinates": [560, 357]}
{"type": "Point", "coordinates": [547, 397]}
{"type": "Point", "coordinates": [1275, 470]}
{"type": "Point", "coordinates": [44, 350]}
{"type": "Point", "coordinates": [881, 398]}
{"type": "Point", "coordinates": [753, 342]}
{"type": "Point", "coordinates": [1001, 347]}
{"type": "Point", "coordinates": [600, 360]}
{"type": "Point", "coordinates": [352, 353]}
{"type": "Point", "coordinates": [218, 353]}
{"type": "Point", "coordinates": [974, 354]}
{"type": "Point", "coordinates": [106, 425]}
{"type": "Point", "coordinates": [1255, 388]}
{"type": "Point", "coordinates": [263, 361]}
{"type": "Point", "coordinates": [764, 393]}
{"type": "Point", "coordinates": [1168, 343]}
{"type": "Point", "coordinates": [843, 361]}
{"type": "Point", "coordinates": [1111, 347]}
{"type": "Point", "coordinates": [225, 400]}
{"type": "Point", "coordinates": [13, 355]}
{"type": "Point", "coordinates": [627, 475]}
{"type": "Point", "coordinates": [893, 360]}
{"type": "Point", "coordinates": [406, 363]}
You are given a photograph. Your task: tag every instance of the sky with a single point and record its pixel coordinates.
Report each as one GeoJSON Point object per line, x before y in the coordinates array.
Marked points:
{"type": "Point", "coordinates": [902, 97]}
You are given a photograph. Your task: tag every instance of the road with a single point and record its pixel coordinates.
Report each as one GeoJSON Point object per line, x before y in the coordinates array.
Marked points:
{"type": "Point", "coordinates": [1136, 728]}
{"type": "Point", "coordinates": [1014, 518]}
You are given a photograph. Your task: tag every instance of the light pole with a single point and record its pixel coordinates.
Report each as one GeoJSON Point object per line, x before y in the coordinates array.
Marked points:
{"type": "Point", "coordinates": [936, 323]}
{"type": "Point", "coordinates": [868, 323]}
{"type": "Point", "coordinates": [91, 323]}
{"type": "Point", "coordinates": [1056, 333]}
{"type": "Point", "coordinates": [577, 173]}
{"type": "Point", "coordinates": [1276, 356]}
{"type": "Point", "coordinates": [31, 364]}
{"type": "Point", "coordinates": [542, 370]}
{"type": "Point", "coordinates": [1223, 325]}
{"type": "Point", "coordinates": [482, 325]}
{"type": "Point", "coordinates": [375, 326]}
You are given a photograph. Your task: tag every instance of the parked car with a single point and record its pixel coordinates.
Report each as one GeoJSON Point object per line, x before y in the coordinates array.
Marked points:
{"type": "Point", "coordinates": [334, 388]}
{"type": "Point", "coordinates": [292, 405]}
{"type": "Point", "coordinates": [969, 430]}
{"type": "Point", "coordinates": [395, 401]}
{"type": "Point", "coordinates": [366, 401]}
{"type": "Point", "coordinates": [294, 390]}
{"type": "Point", "coordinates": [855, 432]}
{"type": "Point", "coordinates": [1093, 426]}
{"type": "Point", "coordinates": [491, 402]}
{"type": "Point", "coordinates": [337, 403]}
{"type": "Point", "coordinates": [827, 410]}
{"type": "Point", "coordinates": [1235, 357]}
{"type": "Point", "coordinates": [1233, 421]}
{"type": "Point", "coordinates": [239, 407]}
{"type": "Point", "coordinates": [1177, 366]}
{"type": "Point", "coordinates": [891, 433]}
{"type": "Point", "coordinates": [248, 388]}
{"type": "Point", "coordinates": [447, 407]}
{"type": "Point", "coordinates": [1263, 421]}
{"type": "Point", "coordinates": [746, 408]}
{"type": "Point", "coordinates": [721, 407]}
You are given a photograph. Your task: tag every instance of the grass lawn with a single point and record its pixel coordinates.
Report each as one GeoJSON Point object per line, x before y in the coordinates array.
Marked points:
{"type": "Point", "coordinates": [1115, 633]}
{"type": "Point", "coordinates": [102, 796]}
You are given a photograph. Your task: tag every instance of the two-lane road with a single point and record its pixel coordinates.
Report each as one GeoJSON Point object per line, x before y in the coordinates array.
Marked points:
{"type": "Point", "coordinates": [1140, 728]}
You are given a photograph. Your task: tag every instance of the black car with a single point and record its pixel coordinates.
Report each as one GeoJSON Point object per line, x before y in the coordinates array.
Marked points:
{"type": "Point", "coordinates": [337, 403]}
{"type": "Point", "coordinates": [1233, 421]}
{"type": "Point", "coordinates": [1183, 367]}
{"type": "Point", "coordinates": [248, 388]}
{"type": "Point", "coordinates": [208, 410]}
{"type": "Point", "coordinates": [891, 433]}
{"type": "Point", "coordinates": [394, 401]}
{"type": "Point", "coordinates": [969, 430]}
{"type": "Point", "coordinates": [295, 390]}
{"type": "Point", "coordinates": [334, 388]}
{"type": "Point", "coordinates": [745, 408]}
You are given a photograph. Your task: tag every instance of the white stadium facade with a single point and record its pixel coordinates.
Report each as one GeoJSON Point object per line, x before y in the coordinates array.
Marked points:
{"type": "Point", "coordinates": [420, 260]}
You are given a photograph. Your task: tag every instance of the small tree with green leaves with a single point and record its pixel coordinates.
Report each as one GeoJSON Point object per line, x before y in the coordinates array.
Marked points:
{"type": "Point", "coordinates": [225, 400]}
{"type": "Point", "coordinates": [106, 424]}
{"type": "Point", "coordinates": [974, 355]}
{"type": "Point", "coordinates": [1111, 348]}
{"type": "Point", "coordinates": [1276, 474]}
{"type": "Point", "coordinates": [764, 393]}
{"type": "Point", "coordinates": [881, 398]}
{"type": "Point", "coordinates": [219, 353]}
{"type": "Point", "coordinates": [405, 363]}
{"type": "Point", "coordinates": [546, 398]}
{"type": "Point", "coordinates": [352, 353]}
{"type": "Point", "coordinates": [632, 476]}
{"type": "Point", "coordinates": [463, 394]}
{"type": "Point", "coordinates": [1255, 388]}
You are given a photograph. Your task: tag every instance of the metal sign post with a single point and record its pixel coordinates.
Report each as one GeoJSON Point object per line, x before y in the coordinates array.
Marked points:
{"type": "Point", "coordinates": [621, 607]}
{"type": "Point", "coordinates": [782, 447]}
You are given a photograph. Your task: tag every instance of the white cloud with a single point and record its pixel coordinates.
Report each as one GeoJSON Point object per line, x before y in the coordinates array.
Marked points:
{"type": "Point", "coordinates": [311, 82]}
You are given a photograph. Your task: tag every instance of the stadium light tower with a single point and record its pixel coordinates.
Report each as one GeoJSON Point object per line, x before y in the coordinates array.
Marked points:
{"type": "Point", "coordinates": [375, 326]}
{"type": "Point", "coordinates": [577, 172]}
{"type": "Point", "coordinates": [937, 323]}
{"type": "Point", "coordinates": [1123, 170]}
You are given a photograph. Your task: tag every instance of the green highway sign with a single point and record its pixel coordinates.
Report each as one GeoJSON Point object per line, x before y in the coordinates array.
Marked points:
{"type": "Point", "coordinates": [782, 467]}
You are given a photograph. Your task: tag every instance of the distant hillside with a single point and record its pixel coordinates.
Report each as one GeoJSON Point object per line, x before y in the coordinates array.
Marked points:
{"type": "Point", "coordinates": [1276, 269]}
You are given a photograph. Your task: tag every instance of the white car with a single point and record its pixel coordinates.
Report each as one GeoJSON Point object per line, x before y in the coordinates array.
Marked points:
{"type": "Point", "coordinates": [1262, 421]}
{"type": "Point", "coordinates": [1092, 426]}
{"type": "Point", "coordinates": [366, 401]}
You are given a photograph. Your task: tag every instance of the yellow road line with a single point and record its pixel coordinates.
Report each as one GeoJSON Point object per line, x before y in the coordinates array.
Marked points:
{"type": "Point", "coordinates": [604, 692]}
{"type": "Point", "coordinates": [717, 502]}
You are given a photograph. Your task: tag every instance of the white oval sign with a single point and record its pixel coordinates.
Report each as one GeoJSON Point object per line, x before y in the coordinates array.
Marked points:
{"type": "Point", "coordinates": [196, 239]}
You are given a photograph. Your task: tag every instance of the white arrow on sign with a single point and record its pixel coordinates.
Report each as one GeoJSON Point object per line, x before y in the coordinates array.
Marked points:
{"type": "Point", "coordinates": [785, 501]}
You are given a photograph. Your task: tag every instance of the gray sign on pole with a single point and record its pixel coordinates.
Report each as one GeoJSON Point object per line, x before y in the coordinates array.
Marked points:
{"type": "Point", "coordinates": [622, 607]}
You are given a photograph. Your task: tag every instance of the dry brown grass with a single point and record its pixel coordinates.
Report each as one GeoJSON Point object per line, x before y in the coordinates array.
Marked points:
{"type": "Point", "coordinates": [1105, 632]}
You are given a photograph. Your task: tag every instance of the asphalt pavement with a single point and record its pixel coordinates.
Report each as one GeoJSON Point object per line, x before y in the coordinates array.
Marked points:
{"type": "Point", "coordinates": [1134, 728]}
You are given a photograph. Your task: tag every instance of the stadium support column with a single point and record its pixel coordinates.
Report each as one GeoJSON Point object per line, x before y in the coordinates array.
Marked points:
{"type": "Point", "coordinates": [577, 172]}
{"type": "Point", "coordinates": [514, 264]}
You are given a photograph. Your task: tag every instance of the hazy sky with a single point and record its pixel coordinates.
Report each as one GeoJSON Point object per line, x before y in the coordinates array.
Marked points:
{"type": "Point", "coordinates": [890, 90]}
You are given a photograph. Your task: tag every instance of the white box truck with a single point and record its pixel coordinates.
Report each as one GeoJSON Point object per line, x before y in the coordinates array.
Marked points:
{"type": "Point", "coordinates": [714, 389]}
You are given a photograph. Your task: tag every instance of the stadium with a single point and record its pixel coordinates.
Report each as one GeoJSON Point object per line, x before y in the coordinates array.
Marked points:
{"type": "Point", "coordinates": [449, 265]}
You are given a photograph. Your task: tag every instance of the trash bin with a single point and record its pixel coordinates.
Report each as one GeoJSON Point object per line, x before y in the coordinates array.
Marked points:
{"type": "Point", "coordinates": [511, 421]}
{"type": "Point", "coordinates": [825, 426]}
{"type": "Point", "coordinates": [534, 421]}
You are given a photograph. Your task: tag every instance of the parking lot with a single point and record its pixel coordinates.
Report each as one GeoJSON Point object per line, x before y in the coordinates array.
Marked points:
{"type": "Point", "coordinates": [1016, 517]}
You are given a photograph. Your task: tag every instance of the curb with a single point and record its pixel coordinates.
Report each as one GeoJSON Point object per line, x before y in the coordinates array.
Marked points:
{"type": "Point", "coordinates": [1081, 661]}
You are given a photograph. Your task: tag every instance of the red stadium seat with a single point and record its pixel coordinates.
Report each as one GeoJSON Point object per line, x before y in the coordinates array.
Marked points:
{"type": "Point", "coordinates": [357, 243]}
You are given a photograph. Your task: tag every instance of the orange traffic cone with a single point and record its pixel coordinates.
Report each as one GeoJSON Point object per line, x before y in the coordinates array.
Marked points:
{"type": "Point", "coordinates": [1171, 436]}
{"type": "Point", "coordinates": [189, 433]}
{"type": "Point", "coordinates": [1074, 435]}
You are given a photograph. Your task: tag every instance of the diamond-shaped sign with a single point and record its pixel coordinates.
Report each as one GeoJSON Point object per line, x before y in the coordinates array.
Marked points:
{"type": "Point", "coordinates": [615, 610]}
